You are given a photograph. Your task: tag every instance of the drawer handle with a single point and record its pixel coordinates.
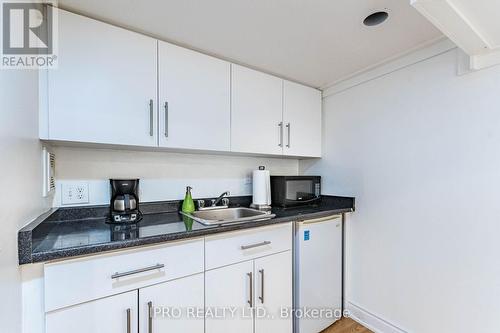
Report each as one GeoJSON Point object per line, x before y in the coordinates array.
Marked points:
{"type": "Point", "coordinates": [137, 271]}
{"type": "Point", "coordinates": [246, 247]}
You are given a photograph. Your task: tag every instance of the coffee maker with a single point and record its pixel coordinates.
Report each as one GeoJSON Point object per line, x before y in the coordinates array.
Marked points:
{"type": "Point", "coordinates": [125, 201]}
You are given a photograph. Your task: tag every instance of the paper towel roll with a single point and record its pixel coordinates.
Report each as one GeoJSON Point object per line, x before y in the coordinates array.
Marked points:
{"type": "Point", "coordinates": [261, 187]}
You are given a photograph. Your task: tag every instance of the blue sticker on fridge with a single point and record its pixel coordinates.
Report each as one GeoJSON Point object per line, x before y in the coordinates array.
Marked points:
{"type": "Point", "coordinates": [306, 235]}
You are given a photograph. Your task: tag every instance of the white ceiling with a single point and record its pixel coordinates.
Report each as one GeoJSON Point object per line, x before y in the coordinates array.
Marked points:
{"type": "Point", "coordinates": [316, 42]}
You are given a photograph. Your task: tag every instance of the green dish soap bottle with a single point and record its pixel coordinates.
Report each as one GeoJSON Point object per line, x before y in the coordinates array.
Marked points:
{"type": "Point", "coordinates": [188, 203]}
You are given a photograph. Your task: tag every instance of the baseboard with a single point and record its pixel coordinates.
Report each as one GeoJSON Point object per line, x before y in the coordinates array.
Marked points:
{"type": "Point", "coordinates": [370, 320]}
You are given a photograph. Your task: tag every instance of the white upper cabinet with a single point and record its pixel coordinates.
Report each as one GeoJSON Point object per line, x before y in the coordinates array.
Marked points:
{"type": "Point", "coordinates": [117, 87]}
{"type": "Point", "coordinates": [302, 120]}
{"type": "Point", "coordinates": [274, 116]}
{"type": "Point", "coordinates": [256, 112]}
{"type": "Point", "coordinates": [194, 98]}
{"type": "Point", "coordinates": [104, 89]}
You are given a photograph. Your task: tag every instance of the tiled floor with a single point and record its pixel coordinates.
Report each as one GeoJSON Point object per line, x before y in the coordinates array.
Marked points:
{"type": "Point", "coordinates": [346, 325]}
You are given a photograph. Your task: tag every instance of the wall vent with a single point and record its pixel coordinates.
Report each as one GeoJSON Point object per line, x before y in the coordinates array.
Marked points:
{"type": "Point", "coordinates": [49, 172]}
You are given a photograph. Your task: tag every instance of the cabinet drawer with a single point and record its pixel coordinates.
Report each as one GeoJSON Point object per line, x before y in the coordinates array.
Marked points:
{"type": "Point", "coordinates": [80, 280]}
{"type": "Point", "coordinates": [233, 247]}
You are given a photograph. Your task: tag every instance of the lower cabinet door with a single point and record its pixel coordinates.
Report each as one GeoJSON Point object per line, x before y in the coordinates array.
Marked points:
{"type": "Point", "coordinates": [273, 293]}
{"type": "Point", "coordinates": [114, 314]}
{"type": "Point", "coordinates": [173, 306]}
{"type": "Point", "coordinates": [228, 299]}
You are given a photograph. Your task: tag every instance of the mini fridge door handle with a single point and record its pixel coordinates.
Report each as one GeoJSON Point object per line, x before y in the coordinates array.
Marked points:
{"type": "Point", "coordinates": [322, 219]}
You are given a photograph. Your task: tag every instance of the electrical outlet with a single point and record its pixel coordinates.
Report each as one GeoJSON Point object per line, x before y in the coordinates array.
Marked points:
{"type": "Point", "coordinates": [75, 193]}
{"type": "Point", "coordinates": [248, 180]}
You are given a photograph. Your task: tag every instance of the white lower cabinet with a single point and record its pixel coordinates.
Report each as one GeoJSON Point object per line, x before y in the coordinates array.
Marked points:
{"type": "Point", "coordinates": [174, 306]}
{"type": "Point", "coordinates": [229, 289]}
{"type": "Point", "coordinates": [243, 291]}
{"type": "Point", "coordinates": [115, 314]}
{"type": "Point", "coordinates": [252, 293]}
{"type": "Point", "coordinates": [273, 293]}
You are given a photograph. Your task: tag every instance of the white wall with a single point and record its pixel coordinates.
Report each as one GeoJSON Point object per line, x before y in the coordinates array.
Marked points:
{"type": "Point", "coordinates": [21, 196]}
{"type": "Point", "coordinates": [164, 175]}
{"type": "Point", "coordinates": [419, 148]}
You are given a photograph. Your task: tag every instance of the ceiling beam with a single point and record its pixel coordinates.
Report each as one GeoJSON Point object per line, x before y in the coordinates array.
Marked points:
{"type": "Point", "coordinates": [457, 26]}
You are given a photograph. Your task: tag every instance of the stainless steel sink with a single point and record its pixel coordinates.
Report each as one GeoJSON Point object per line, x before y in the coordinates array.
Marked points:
{"type": "Point", "coordinates": [228, 215]}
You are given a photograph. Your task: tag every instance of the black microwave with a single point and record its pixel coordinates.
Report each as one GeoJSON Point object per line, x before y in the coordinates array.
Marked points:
{"type": "Point", "coordinates": [289, 191]}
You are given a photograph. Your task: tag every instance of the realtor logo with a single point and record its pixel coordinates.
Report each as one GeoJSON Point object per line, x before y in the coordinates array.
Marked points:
{"type": "Point", "coordinates": [28, 38]}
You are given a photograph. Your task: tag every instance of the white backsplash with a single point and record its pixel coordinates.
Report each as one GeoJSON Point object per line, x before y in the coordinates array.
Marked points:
{"type": "Point", "coordinates": [164, 175]}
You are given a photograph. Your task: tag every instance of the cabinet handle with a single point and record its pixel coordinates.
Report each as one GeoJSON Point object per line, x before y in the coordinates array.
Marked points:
{"type": "Point", "coordinates": [246, 247]}
{"type": "Point", "coordinates": [137, 271]}
{"type": "Point", "coordinates": [128, 321]}
{"type": "Point", "coordinates": [250, 299]}
{"type": "Point", "coordinates": [151, 115]}
{"type": "Point", "coordinates": [261, 297]}
{"type": "Point", "coordinates": [289, 129]}
{"type": "Point", "coordinates": [150, 317]}
{"type": "Point", "coordinates": [166, 119]}
{"type": "Point", "coordinates": [280, 125]}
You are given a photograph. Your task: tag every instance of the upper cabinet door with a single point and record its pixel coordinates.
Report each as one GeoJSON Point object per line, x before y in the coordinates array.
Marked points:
{"type": "Point", "coordinates": [104, 89]}
{"type": "Point", "coordinates": [302, 120]}
{"type": "Point", "coordinates": [194, 99]}
{"type": "Point", "coordinates": [256, 112]}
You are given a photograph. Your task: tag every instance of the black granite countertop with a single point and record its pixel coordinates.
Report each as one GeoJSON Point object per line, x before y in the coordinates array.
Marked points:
{"type": "Point", "coordinates": [69, 232]}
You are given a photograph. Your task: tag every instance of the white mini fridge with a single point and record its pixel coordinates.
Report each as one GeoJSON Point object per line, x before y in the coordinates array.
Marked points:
{"type": "Point", "coordinates": [317, 273]}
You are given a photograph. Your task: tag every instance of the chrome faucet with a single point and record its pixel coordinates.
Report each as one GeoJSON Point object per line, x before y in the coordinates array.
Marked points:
{"type": "Point", "coordinates": [215, 202]}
